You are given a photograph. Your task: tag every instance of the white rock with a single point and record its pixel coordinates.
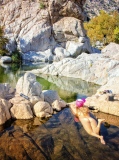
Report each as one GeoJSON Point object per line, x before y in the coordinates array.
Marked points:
{"type": "Point", "coordinates": [42, 109]}
{"type": "Point", "coordinates": [5, 59]}
{"type": "Point", "coordinates": [50, 96]}
{"type": "Point", "coordinates": [21, 111]}
{"type": "Point", "coordinates": [29, 86]}
{"type": "Point", "coordinates": [4, 111]}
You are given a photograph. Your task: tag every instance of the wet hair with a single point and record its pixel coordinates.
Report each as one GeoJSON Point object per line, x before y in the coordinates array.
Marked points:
{"type": "Point", "coordinates": [84, 110]}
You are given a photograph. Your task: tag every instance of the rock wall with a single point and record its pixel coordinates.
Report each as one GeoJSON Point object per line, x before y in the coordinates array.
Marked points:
{"type": "Point", "coordinates": [34, 26]}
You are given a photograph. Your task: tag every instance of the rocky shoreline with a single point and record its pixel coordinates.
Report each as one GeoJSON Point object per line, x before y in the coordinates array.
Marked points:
{"type": "Point", "coordinates": [28, 100]}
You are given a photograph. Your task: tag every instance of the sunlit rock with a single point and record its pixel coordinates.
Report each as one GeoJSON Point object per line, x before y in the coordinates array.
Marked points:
{"type": "Point", "coordinates": [28, 86]}
{"type": "Point", "coordinates": [42, 109]}
{"type": "Point", "coordinates": [4, 111]}
{"type": "Point", "coordinates": [50, 96]}
{"type": "Point", "coordinates": [103, 104]}
{"type": "Point", "coordinates": [21, 111]}
{"type": "Point", "coordinates": [20, 100]}
{"type": "Point", "coordinates": [6, 91]}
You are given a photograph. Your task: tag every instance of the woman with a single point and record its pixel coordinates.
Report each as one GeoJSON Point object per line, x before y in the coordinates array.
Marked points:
{"type": "Point", "coordinates": [82, 114]}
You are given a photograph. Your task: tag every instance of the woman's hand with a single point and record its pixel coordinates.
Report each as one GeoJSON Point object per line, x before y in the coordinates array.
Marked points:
{"type": "Point", "coordinates": [76, 119]}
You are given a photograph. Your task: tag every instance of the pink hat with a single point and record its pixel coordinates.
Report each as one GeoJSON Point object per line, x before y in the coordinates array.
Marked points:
{"type": "Point", "coordinates": [80, 102]}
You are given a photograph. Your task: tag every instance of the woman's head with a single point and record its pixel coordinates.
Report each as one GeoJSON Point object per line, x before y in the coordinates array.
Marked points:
{"type": "Point", "coordinates": [80, 103]}
{"type": "Point", "coordinates": [80, 107]}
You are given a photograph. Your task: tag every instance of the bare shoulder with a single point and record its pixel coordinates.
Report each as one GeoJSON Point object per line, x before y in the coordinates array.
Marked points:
{"type": "Point", "coordinates": [72, 106]}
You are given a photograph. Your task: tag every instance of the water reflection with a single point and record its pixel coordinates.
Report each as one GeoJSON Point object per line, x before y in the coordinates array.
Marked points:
{"type": "Point", "coordinates": [72, 84]}
{"type": "Point", "coordinates": [10, 73]}
{"type": "Point", "coordinates": [68, 88]}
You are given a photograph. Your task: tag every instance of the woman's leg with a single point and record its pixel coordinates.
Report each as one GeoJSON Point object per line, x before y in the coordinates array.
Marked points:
{"type": "Point", "coordinates": [87, 126]}
{"type": "Point", "coordinates": [96, 126]}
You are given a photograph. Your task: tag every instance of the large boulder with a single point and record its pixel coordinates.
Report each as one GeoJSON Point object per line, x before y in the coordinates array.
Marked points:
{"type": "Point", "coordinates": [21, 111]}
{"type": "Point", "coordinates": [76, 48]}
{"type": "Point", "coordinates": [4, 111]}
{"type": "Point", "coordinates": [28, 86]}
{"type": "Point", "coordinates": [50, 96]}
{"type": "Point", "coordinates": [42, 109]}
{"type": "Point", "coordinates": [6, 91]}
{"type": "Point", "coordinates": [19, 100]}
{"type": "Point", "coordinates": [111, 50]}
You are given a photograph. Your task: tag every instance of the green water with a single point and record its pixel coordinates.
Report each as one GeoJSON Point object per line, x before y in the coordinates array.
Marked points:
{"type": "Point", "coordinates": [68, 88]}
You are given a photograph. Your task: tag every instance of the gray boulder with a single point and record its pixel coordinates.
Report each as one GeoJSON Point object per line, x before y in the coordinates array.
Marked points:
{"type": "Point", "coordinates": [21, 111]}
{"type": "Point", "coordinates": [4, 110]}
{"type": "Point", "coordinates": [42, 109]}
{"type": "Point", "coordinates": [50, 96]}
{"type": "Point", "coordinates": [28, 86]}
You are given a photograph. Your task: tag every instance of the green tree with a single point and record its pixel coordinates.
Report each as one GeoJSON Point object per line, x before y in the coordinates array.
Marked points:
{"type": "Point", "coordinates": [101, 28]}
{"type": "Point", "coordinates": [16, 56]}
{"type": "Point", "coordinates": [116, 34]}
{"type": "Point", "coordinates": [3, 42]}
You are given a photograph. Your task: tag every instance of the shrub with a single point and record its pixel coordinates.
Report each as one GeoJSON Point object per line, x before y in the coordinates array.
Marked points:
{"type": "Point", "coordinates": [116, 34]}
{"type": "Point", "coordinates": [3, 42]}
{"type": "Point", "coordinates": [101, 28]}
{"type": "Point", "coordinates": [15, 67]}
{"type": "Point", "coordinates": [16, 56]}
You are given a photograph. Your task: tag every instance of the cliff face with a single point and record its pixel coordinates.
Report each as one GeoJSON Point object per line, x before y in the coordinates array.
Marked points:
{"type": "Point", "coordinates": [39, 25]}
{"type": "Point", "coordinates": [92, 7]}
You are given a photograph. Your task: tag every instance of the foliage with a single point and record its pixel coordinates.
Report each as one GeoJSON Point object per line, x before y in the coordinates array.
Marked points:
{"type": "Point", "coordinates": [102, 27]}
{"type": "Point", "coordinates": [42, 5]}
{"type": "Point", "coordinates": [3, 42]}
{"type": "Point", "coordinates": [3, 78]}
{"type": "Point", "coordinates": [15, 67]}
{"type": "Point", "coordinates": [16, 56]}
{"type": "Point", "coordinates": [116, 34]}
